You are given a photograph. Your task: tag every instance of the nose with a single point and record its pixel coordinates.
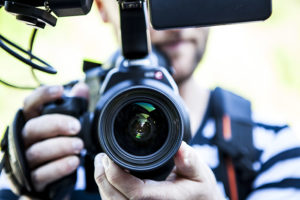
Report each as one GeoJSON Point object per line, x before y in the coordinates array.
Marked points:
{"type": "Point", "coordinates": [174, 33]}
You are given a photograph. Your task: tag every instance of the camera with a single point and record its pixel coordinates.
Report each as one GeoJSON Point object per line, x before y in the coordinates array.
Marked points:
{"type": "Point", "coordinates": [138, 119]}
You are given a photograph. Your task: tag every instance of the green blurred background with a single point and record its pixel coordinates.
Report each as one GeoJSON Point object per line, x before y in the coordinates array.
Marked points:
{"type": "Point", "coordinates": [260, 61]}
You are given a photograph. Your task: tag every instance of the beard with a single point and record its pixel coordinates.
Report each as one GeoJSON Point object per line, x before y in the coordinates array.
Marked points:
{"type": "Point", "coordinates": [183, 61]}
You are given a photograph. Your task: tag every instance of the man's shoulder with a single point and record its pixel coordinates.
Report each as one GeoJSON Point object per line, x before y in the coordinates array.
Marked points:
{"type": "Point", "coordinates": [269, 137]}
{"type": "Point", "coordinates": [273, 136]}
{"type": "Point", "coordinates": [278, 164]}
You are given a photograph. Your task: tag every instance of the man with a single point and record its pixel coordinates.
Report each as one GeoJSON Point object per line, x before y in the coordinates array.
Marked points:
{"type": "Point", "coordinates": [192, 178]}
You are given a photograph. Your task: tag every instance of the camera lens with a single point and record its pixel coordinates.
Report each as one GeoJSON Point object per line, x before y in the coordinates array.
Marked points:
{"type": "Point", "coordinates": [141, 128]}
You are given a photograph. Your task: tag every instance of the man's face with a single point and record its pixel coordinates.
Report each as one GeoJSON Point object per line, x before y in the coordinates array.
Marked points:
{"type": "Point", "coordinates": [183, 47]}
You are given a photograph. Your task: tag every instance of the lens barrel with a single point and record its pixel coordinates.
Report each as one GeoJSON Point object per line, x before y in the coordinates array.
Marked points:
{"type": "Point", "coordinates": [141, 128]}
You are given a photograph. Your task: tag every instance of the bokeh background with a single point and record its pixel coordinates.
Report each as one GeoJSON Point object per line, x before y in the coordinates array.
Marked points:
{"type": "Point", "coordinates": [260, 60]}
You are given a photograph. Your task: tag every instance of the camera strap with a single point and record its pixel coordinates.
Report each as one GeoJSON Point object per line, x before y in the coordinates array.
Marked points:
{"type": "Point", "coordinates": [235, 143]}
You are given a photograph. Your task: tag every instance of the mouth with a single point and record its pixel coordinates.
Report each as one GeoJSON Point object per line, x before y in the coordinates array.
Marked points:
{"type": "Point", "coordinates": [173, 48]}
{"type": "Point", "coordinates": [172, 44]}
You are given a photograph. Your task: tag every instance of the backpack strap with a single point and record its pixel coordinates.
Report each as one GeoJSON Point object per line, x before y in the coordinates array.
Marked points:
{"type": "Point", "coordinates": [234, 140]}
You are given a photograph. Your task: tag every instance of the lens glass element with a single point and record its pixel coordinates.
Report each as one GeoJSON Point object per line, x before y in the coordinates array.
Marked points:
{"type": "Point", "coordinates": [141, 128]}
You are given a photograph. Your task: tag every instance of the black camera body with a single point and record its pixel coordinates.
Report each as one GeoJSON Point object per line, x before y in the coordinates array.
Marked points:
{"type": "Point", "coordinates": [139, 120]}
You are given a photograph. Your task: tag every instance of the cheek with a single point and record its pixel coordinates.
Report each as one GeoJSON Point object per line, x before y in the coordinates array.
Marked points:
{"type": "Point", "coordinates": [156, 36]}
{"type": "Point", "coordinates": [184, 62]}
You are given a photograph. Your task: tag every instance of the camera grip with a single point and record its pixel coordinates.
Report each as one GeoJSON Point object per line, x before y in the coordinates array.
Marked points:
{"type": "Point", "coordinates": [76, 107]}
{"type": "Point", "coordinates": [14, 159]}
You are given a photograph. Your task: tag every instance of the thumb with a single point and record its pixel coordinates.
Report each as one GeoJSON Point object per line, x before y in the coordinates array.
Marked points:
{"type": "Point", "coordinates": [189, 164]}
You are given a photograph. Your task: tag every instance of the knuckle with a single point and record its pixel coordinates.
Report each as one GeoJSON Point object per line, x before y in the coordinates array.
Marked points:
{"type": "Point", "coordinates": [100, 179]}
{"type": "Point", "coordinates": [67, 166]}
{"type": "Point", "coordinates": [63, 123]}
{"type": "Point", "coordinates": [39, 91]}
{"type": "Point", "coordinates": [58, 125]}
{"type": "Point", "coordinates": [58, 122]}
{"type": "Point", "coordinates": [33, 125]}
{"type": "Point", "coordinates": [65, 146]}
{"type": "Point", "coordinates": [113, 178]}
{"type": "Point", "coordinates": [32, 154]}
{"type": "Point", "coordinates": [64, 169]}
{"type": "Point", "coordinates": [29, 126]}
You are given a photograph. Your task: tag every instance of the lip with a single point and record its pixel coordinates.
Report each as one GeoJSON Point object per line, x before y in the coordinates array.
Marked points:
{"type": "Point", "coordinates": [173, 46]}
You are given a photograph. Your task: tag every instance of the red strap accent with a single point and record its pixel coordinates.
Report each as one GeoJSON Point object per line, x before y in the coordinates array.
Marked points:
{"type": "Point", "coordinates": [231, 179]}
{"type": "Point", "coordinates": [228, 161]}
{"type": "Point", "coordinates": [226, 127]}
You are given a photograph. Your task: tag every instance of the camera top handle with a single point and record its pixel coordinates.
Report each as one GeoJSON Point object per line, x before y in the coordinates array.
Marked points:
{"type": "Point", "coordinates": [134, 34]}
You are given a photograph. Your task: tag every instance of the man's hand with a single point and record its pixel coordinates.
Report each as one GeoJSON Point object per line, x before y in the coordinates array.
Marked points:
{"type": "Point", "coordinates": [190, 179]}
{"type": "Point", "coordinates": [50, 151]}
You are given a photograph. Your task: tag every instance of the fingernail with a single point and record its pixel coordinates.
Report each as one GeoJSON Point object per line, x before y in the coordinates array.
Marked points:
{"type": "Point", "coordinates": [74, 126]}
{"type": "Point", "coordinates": [73, 162]}
{"type": "Point", "coordinates": [186, 161]}
{"type": "Point", "coordinates": [99, 170]}
{"type": "Point", "coordinates": [77, 145]}
{"type": "Point", "coordinates": [186, 154]}
{"type": "Point", "coordinates": [98, 160]}
{"type": "Point", "coordinates": [105, 162]}
{"type": "Point", "coordinates": [55, 90]}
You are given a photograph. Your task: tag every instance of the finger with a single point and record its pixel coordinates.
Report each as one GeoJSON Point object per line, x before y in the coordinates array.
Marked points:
{"type": "Point", "coordinates": [48, 126]}
{"type": "Point", "coordinates": [34, 102]}
{"type": "Point", "coordinates": [53, 171]}
{"type": "Point", "coordinates": [56, 148]}
{"type": "Point", "coordinates": [80, 90]}
{"type": "Point", "coordinates": [106, 190]}
{"type": "Point", "coordinates": [129, 185]}
{"type": "Point", "coordinates": [190, 165]}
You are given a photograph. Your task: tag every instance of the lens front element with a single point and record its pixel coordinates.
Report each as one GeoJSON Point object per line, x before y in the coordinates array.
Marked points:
{"type": "Point", "coordinates": [141, 128]}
